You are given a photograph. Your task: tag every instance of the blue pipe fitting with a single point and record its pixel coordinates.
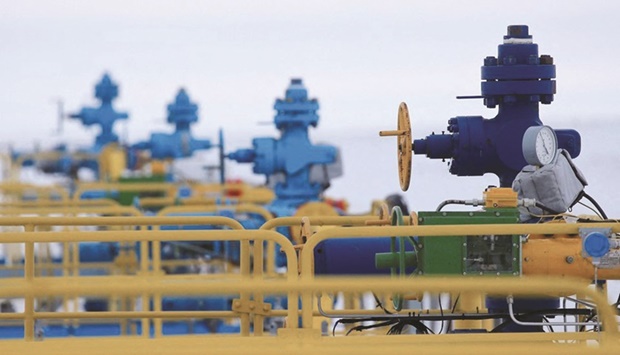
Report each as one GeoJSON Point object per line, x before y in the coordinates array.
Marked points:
{"type": "Point", "coordinates": [596, 244]}
{"type": "Point", "coordinates": [287, 162]}
{"type": "Point", "coordinates": [105, 115]}
{"type": "Point", "coordinates": [179, 144]}
{"type": "Point", "coordinates": [516, 81]}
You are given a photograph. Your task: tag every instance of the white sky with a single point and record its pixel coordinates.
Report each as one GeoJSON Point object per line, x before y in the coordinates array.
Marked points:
{"type": "Point", "coordinates": [359, 58]}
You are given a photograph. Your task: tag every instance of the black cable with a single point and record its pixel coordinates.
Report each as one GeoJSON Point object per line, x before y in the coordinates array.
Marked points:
{"type": "Point", "coordinates": [441, 312]}
{"type": "Point", "coordinates": [379, 304]}
{"type": "Point", "coordinates": [359, 328]}
{"type": "Point", "coordinates": [545, 208]}
{"type": "Point", "coordinates": [456, 301]}
{"type": "Point", "coordinates": [593, 201]}
{"type": "Point", "coordinates": [450, 202]}
{"type": "Point", "coordinates": [550, 325]}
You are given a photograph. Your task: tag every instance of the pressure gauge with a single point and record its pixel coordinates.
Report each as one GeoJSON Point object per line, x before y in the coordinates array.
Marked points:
{"type": "Point", "coordinates": [540, 145]}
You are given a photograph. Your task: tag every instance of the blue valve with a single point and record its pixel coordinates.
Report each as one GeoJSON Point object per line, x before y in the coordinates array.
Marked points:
{"type": "Point", "coordinates": [516, 81]}
{"type": "Point", "coordinates": [105, 115]}
{"type": "Point", "coordinates": [297, 168]}
{"type": "Point", "coordinates": [180, 143]}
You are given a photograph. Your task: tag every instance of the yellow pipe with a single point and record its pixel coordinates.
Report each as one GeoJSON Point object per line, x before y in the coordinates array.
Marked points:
{"type": "Point", "coordinates": [125, 315]}
{"type": "Point", "coordinates": [561, 257]}
{"type": "Point", "coordinates": [119, 221]}
{"type": "Point", "coordinates": [29, 277]}
{"type": "Point", "coordinates": [131, 285]}
{"type": "Point", "coordinates": [62, 203]}
{"type": "Point", "coordinates": [318, 221]}
{"type": "Point", "coordinates": [307, 254]}
{"type": "Point", "coordinates": [258, 253]}
{"type": "Point", "coordinates": [544, 343]}
{"type": "Point", "coordinates": [242, 208]}
{"type": "Point", "coordinates": [244, 267]}
{"type": "Point", "coordinates": [107, 210]}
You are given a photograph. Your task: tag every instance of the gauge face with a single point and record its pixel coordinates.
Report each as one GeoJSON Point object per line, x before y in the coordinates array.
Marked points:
{"type": "Point", "coordinates": [546, 145]}
{"type": "Point", "coordinates": [540, 145]}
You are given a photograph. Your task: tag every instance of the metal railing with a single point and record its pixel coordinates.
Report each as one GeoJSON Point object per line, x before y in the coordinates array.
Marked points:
{"type": "Point", "coordinates": [252, 283]}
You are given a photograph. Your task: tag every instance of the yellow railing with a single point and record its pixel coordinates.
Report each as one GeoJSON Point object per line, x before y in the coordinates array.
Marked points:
{"type": "Point", "coordinates": [252, 284]}
{"type": "Point", "coordinates": [57, 204]}
{"type": "Point", "coordinates": [18, 189]}
{"type": "Point", "coordinates": [30, 237]}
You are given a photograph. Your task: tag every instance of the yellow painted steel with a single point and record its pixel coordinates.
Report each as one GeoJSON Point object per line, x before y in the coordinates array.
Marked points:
{"type": "Point", "coordinates": [561, 256]}
{"type": "Point", "coordinates": [18, 189]}
{"type": "Point", "coordinates": [314, 208]}
{"type": "Point", "coordinates": [115, 210]}
{"type": "Point", "coordinates": [58, 203]}
{"type": "Point", "coordinates": [315, 221]}
{"type": "Point", "coordinates": [307, 339]}
{"type": "Point", "coordinates": [500, 197]}
{"type": "Point", "coordinates": [240, 208]}
{"type": "Point", "coordinates": [252, 284]}
{"type": "Point", "coordinates": [112, 162]}
{"type": "Point", "coordinates": [307, 254]}
{"type": "Point", "coordinates": [244, 237]}
{"type": "Point", "coordinates": [443, 344]}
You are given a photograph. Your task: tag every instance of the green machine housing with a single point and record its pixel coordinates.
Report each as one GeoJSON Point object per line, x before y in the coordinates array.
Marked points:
{"type": "Point", "coordinates": [470, 254]}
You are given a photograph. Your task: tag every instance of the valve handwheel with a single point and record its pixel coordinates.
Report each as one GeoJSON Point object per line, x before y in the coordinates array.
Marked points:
{"type": "Point", "coordinates": [404, 147]}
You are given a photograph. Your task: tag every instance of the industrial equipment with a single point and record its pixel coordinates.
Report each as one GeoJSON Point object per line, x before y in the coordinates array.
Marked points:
{"type": "Point", "coordinates": [515, 81]}
{"type": "Point", "coordinates": [179, 144]}
{"type": "Point", "coordinates": [103, 116]}
{"type": "Point", "coordinates": [298, 170]}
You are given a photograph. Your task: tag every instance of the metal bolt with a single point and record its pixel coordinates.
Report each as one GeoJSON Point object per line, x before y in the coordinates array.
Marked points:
{"type": "Point", "coordinates": [490, 61]}
{"type": "Point", "coordinates": [509, 60]}
{"type": "Point", "coordinates": [526, 259]}
{"type": "Point", "coordinates": [569, 259]}
{"type": "Point", "coordinates": [546, 59]}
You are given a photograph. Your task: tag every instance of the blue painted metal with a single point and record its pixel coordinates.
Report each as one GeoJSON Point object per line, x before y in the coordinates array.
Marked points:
{"type": "Point", "coordinates": [596, 244]}
{"type": "Point", "coordinates": [105, 115]}
{"type": "Point", "coordinates": [352, 256]}
{"type": "Point", "coordinates": [179, 144]}
{"type": "Point", "coordinates": [293, 155]}
{"type": "Point", "coordinates": [516, 81]}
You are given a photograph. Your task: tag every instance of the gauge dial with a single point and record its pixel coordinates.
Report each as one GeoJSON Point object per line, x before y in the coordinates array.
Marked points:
{"type": "Point", "coordinates": [540, 145]}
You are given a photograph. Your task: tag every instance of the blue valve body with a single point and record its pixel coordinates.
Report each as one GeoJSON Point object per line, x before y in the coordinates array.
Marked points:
{"type": "Point", "coordinates": [515, 81]}
{"type": "Point", "coordinates": [105, 115]}
{"type": "Point", "coordinates": [292, 155]}
{"type": "Point", "coordinates": [179, 144]}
